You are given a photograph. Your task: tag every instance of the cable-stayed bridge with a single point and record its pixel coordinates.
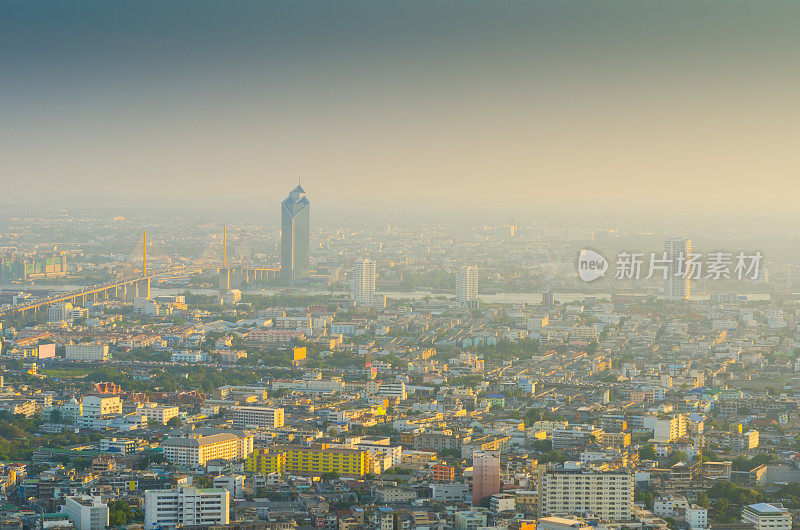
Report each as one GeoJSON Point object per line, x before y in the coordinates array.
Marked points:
{"type": "Point", "coordinates": [137, 283]}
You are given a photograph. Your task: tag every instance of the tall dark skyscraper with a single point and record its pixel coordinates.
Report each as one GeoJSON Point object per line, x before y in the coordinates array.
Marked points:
{"type": "Point", "coordinates": [295, 226]}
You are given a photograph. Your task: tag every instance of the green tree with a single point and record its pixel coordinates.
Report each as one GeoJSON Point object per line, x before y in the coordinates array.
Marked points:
{"type": "Point", "coordinates": [702, 500]}
{"type": "Point", "coordinates": [741, 463]}
{"type": "Point", "coordinates": [120, 513]}
{"type": "Point", "coordinates": [708, 456]}
{"type": "Point", "coordinates": [542, 445]}
{"type": "Point", "coordinates": [735, 494]}
{"type": "Point", "coordinates": [82, 464]}
{"type": "Point", "coordinates": [358, 430]}
{"type": "Point", "coordinates": [677, 456]}
{"type": "Point", "coordinates": [648, 452]}
{"type": "Point", "coordinates": [201, 481]}
{"type": "Point", "coordinates": [645, 496]}
{"type": "Point", "coordinates": [552, 456]}
{"type": "Point", "coordinates": [722, 512]}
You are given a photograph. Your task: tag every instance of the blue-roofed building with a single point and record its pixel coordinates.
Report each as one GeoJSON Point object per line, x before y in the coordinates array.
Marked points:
{"type": "Point", "coordinates": [767, 516]}
{"type": "Point", "coordinates": [496, 399]}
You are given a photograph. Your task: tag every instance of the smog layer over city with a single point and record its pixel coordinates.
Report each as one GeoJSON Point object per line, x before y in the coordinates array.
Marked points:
{"type": "Point", "coordinates": [298, 265]}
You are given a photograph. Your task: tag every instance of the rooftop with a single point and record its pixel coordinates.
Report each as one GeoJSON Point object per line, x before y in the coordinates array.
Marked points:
{"type": "Point", "coordinates": [764, 508]}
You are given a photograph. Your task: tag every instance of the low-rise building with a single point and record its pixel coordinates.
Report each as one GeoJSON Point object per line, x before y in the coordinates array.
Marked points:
{"type": "Point", "coordinates": [157, 413]}
{"type": "Point", "coordinates": [767, 516]}
{"type": "Point", "coordinates": [86, 512]}
{"type": "Point", "coordinates": [502, 502]}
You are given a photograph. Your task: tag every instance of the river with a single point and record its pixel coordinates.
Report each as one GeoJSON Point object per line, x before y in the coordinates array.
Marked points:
{"type": "Point", "coordinates": [499, 298]}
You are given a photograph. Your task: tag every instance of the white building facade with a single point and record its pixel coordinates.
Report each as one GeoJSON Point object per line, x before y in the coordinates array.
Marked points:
{"type": "Point", "coordinates": [186, 506]}
{"type": "Point", "coordinates": [467, 286]}
{"type": "Point", "coordinates": [363, 283]}
{"type": "Point", "coordinates": [86, 512]}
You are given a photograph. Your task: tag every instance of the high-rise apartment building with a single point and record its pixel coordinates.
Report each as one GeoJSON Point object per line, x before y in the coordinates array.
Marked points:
{"type": "Point", "coordinates": [87, 351]}
{"type": "Point", "coordinates": [569, 492]}
{"type": "Point", "coordinates": [186, 506]}
{"type": "Point", "coordinates": [393, 390]}
{"type": "Point", "coordinates": [262, 417]}
{"type": "Point", "coordinates": [203, 444]}
{"type": "Point", "coordinates": [264, 460]}
{"type": "Point", "coordinates": [678, 283]}
{"type": "Point", "coordinates": [547, 300]}
{"type": "Point", "coordinates": [363, 283]}
{"type": "Point", "coordinates": [467, 286]}
{"type": "Point", "coordinates": [485, 475]}
{"type": "Point", "coordinates": [61, 312]}
{"type": "Point", "coordinates": [295, 230]}
{"type": "Point", "coordinates": [443, 473]}
{"type": "Point", "coordinates": [314, 460]}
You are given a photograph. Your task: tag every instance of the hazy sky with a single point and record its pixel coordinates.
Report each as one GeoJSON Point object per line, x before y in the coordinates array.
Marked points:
{"type": "Point", "coordinates": [624, 106]}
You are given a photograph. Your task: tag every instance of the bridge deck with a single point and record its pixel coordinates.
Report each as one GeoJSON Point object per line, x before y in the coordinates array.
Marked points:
{"type": "Point", "coordinates": [99, 288]}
